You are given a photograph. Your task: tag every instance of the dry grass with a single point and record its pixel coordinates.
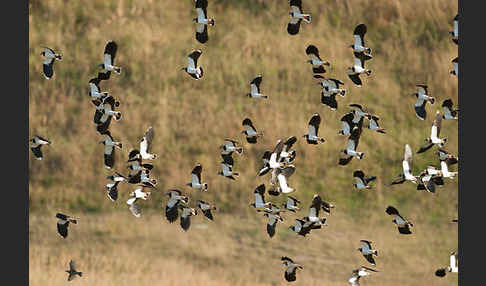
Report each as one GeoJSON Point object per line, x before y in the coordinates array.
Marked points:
{"type": "Point", "coordinates": [410, 44]}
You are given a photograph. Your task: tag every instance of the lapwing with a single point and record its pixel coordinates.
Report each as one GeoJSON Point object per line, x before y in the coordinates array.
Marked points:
{"type": "Point", "coordinates": [230, 146]}
{"type": "Point", "coordinates": [316, 61]}
{"type": "Point", "coordinates": [287, 155]}
{"type": "Point", "coordinates": [142, 177]}
{"type": "Point", "coordinates": [373, 124]}
{"type": "Point", "coordinates": [196, 182]}
{"type": "Point", "coordinates": [312, 137]}
{"type": "Point", "coordinates": [273, 218]}
{"type": "Point", "coordinates": [422, 98]}
{"type": "Point", "coordinates": [361, 180]}
{"type": "Point", "coordinates": [206, 208]}
{"type": "Point", "coordinates": [202, 21]}
{"type": "Point", "coordinates": [358, 68]}
{"type": "Point", "coordinates": [36, 145]}
{"type": "Point", "coordinates": [455, 71]}
{"type": "Point", "coordinates": [317, 204]}
{"type": "Point", "coordinates": [265, 163]}
{"type": "Point", "coordinates": [135, 166]}
{"type": "Point", "coordinates": [72, 271]}
{"type": "Point", "coordinates": [359, 45]}
{"type": "Point", "coordinates": [358, 112]}
{"type": "Point", "coordinates": [94, 86]}
{"type": "Point", "coordinates": [444, 155]}
{"type": "Point", "coordinates": [330, 85]}
{"type": "Point", "coordinates": [407, 168]}
{"type": "Point", "coordinates": [455, 33]}
{"type": "Point", "coordinates": [63, 223]}
{"type": "Point", "coordinates": [283, 174]}
{"type": "Point", "coordinates": [250, 131]}
{"type": "Point", "coordinates": [50, 56]}
{"type": "Point", "coordinates": [350, 150]}
{"type": "Point", "coordinates": [186, 214]}
{"type": "Point", "coordinates": [105, 112]}
{"type": "Point", "coordinates": [112, 186]}
{"type": "Point", "coordinates": [402, 223]}
{"type": "Point", "coordinates": [146, 145]}
{"type": "Point", "coordinates": [367, 251]}
{"type": "Point", "coordinates": [427, 181]}
{"type": "Point", "coordinates": [303, 226]}
{"type": "Point", "coordinates": [453, 266]}
{"type": "Point", "coordinates": [138, 193]}
{"type": "Point", "coordinates": [172, 207]}
{"type": "Point", "coordinates": [109, 57]}
{"type": "Point", "coordinates": [255, 91]}
{"type": "Point", "coordinates": [444, 170]}
{"type": "Point", "coordinates": [110, 145]}
{"type": "Point", "coordinates": [227, 167]}
{"type": "Point", "coordinates": [259, 194]}
{"type": "Point", "coordinates": [434, 138]}
{"type": "Point", "coordinates": [192, 68]}
{"type": "Point", "coordinates": [297, 16]}
{"type": "Point", "coordinates": [449, 111]}
{"type": "Point", "coordinates": [292, 204]}
{"type": "Point", "coordinates": [348, 123]}
{"type": "Point", "coordinates": [358, 273]}
{"type": "Point", "coordinates": [291, 268]}
{"type": "Point", "coordinates": [275, 161]}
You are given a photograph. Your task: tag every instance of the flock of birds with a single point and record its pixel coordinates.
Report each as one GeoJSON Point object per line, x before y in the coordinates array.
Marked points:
{"type": "Point", "coordinates": [278, 162]}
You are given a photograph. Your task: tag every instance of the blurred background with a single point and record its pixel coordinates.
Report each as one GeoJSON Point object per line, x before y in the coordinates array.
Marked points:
{"type": "Point", "coordinates": [191, 119]}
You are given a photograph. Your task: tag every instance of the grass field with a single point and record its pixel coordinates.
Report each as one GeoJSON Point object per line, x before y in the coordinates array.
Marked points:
{"type": "Point", "coordinates": [410, 45]}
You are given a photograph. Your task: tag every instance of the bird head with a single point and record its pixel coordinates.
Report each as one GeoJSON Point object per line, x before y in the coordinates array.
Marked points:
{"type": "Point", "coordinates": [291, 14]}
{"type": "Point", "coordinates": [42, 53]}
{"type": "Point", "coordinates": [211, 22]}
{"type": "Point", "coordinates": [368, 72]}
{"type": "Point", "coordinates": [194, 19]}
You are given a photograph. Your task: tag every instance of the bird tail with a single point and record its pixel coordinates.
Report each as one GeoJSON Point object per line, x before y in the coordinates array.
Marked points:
{"type": "Point", "coordinates": [381, 130]}
{"type": "Point", "coordinates": [239, 150]}
{"type": "Point", "coordinates": [58, 57]}
{"type": "Point", "coordinates": [368, 72]}
{"type": "Point", "coordinates": [432, 100]}
{"type": "Point", "coordinates": [119, 145]}
{"type": "Point", "coordinates": [360, 154]}
{"type": "Point", "coordinates": [308, 18]}
{"type": "Point", "coordinates": [375, 252]}
{"type": "Point", "coordinates": [342, 92]}
{"type": "Point", "coordinates": [322, 140]}
{"type": "Point", "coordinates": [264, 96]}
{"type": "Point", "coordinates": [117, 70]}
{"type": "Point", "coordinates": [211, 22]}
{"type": "Point", "coordinates": [368, 50]}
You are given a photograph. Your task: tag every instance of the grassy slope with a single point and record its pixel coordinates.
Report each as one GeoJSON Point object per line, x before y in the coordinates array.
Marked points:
{"type": "Point", "coordinates": [410, 44]}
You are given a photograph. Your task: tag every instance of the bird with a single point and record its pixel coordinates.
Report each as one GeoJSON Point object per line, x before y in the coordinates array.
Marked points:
{"type": "Point", "coordinates": [427, 181]}
{"type": "Point", "coordinates": [265, 165]}
{"type": "Point", "coordinates": [367, 251]}
{"type": "Point", "coordinates": [273, 219]}
{"type": "Point", "coordinates": [330, 85]}
{"type": "Point", "coordinates": [202, 21]}
{"type": "Point", "coordinates": [172, 206]}
{"type": "Point", "coordinates": [146, 145]}
{"type": "Point", "coordinates": [361, 181]}
{"type": "Point", "coordinates": [192, 68]}
{"type": "Point", "coordinates": [444, 155]}
{"type": "Point", "coordinates": [206, 208]}
{"type": "Point", "coordinates": [373, 124]}
{"type": "Point", "coordinates": [250, 131]}
{"type": "Point", "coordinates": [110, 145]}
{"type": "Point", "coordinates": [347, 122]}
{"type": "Point", "coordinates": [94, 86]}
{"type": "Point", "coordinates": [359, 68]}
{"type": "Point", "coordinates": [444, 170]}
{"type": "Point", "coordinates": [406, 174]}
{"type": "Point", "coordinates": [230, 146]}
{"type": "Point", "coordinates": [359, 114]}
{"type": "Point", "coordinates": [72, 271]}
{"type": "Point", "coordinates": [297, 16]}
{"type": "Point", "coordinates": [402, 223]}
{"type": "Point", "coordinates": [287, 155]}
{"type": "Point", "coordinates": [291, 268]}
{"type": "Point", "coordinates": [138, 193]}
{"type": "Point", "coordinates": [227, 167]}
{"type": "Point", "coordinates": [359, 42]}
{"type": "Point", "coordinates": [36, 144]}
{"type": "Point", "coordinates": [135, 166]}
{"type": "Point", "coordinates": [291, 204]}
{"type": "Point", "coordinates": [63, 223]}
{"type": "Point", "coordinates": [312, 137]}
{"type": "Point", "coordinates": [259, 194]}
{"type": "Point", "coordinates": [304, 226]}
{"type": "Point", "coordinates": [186, 214]}
{"type": "Point", "coordinates": [109, 57]}
{"type": "Point", "coordinates": [329, 100]}
{"type": "Point", "coordinates": [449, 111]}
{"type": "Point", "coordinates": [314, 209]}
{"type": "Point", "coordinates": [455, 71]}
{"type": "Point", "coordinates": [111, 187]}
{"type": "Point", "coordinates": [350, 150]}
{"type": "Point", "coordinates": [453, 266]}
{"type": "Point", "coordinates": [434, 138]}
{"type": "Point", "coordinates": [282, 175]}
{"type": "Point", "coordinates": [255, 91]}
{"type": "Point", "coordinates": [422, 98]}
{"type": "Point", "coordinates": [104, 112]}
{"type": "Point", "coordinates": [455, 33]}
{"type": "Point", "coordinates": [316, 61]}
{"type": "Point", "coordinates": [50, 56]}
{"type": "Point", "coordinates": [196, 182]}
{"type": "Point", "coordinates": [358, 273]}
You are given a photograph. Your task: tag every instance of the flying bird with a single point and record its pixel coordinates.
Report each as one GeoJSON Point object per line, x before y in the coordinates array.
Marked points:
{"type": "Point", "coordinates": [192, 68]}
{"type": "Point", "coordinates": [104, 112]}
{"type": "Point", "coordinates": [172, 207]}
{"type": "Point", "coordinates": [304, 226]}
{"type": "Point", "coordinates": [186, 214]}
{"type": "Point", "coordinates": [402, 223]}
{"type": "Point", "coordinates": [146, 145]}
{"type": "Point", "coordinates": [367, 251]}
{"type": "Point", "coordinates": [444, 155]}
{"type": "Point", "coordinates": [265, 163]}
{"type": "Point", "coordinates": [373, 124]}
{"type": "Point", "coordinates": [202, 21]}
{"type": "Point", "coordinates": [292, 204]}
{"type": "Point", "coordinates": [230, 146]}
{"type": "Point", "coordinates": [94, 86]}
{"type": "Point", "coordinates": [348, 124]}
{"type": "Point", "coordinates": [449, 111]}
{"type": "Point", "coordinates": [282, 175]}
{"type": "Point", "coordinates": [359, 43]}
{"type": "Point", "coordinates": [359, 68]}
{"type": "Point", "coordinates": [109, 57]}
{"type": "Point", "coordinates": [259, 194]}
{"type": "Point", "coordinates": [36, 145]}
{"type": "Point", "coordinates": [330, 85]}
{"type": "Point", "coordinates": [455, 71]}
{"type": "Point", "coordinates": [297, 16]}
{"type": "Point", "coordinates": [312, 137]}
{"type": "Point", "coordinates": [206, 208]}
{"type": "Point", "coordinates": [138, 193]}
{"type": "Point", "coordinates": [63, 223]}
{"type": "Point", "coordinates": [196, 182]}
{"type": "Point", "coordinates": [407, 167]}
{"type": "Point", "coordinates": [227, 167]}
{"type": "Point", "coordinates": [361, 180]}
{"type": "Point", "coordinates": [50, 56]}
{"type": "Point", "coordinates": [350, 150]}
{"type": "Point", "coordinates": [255, 91]}
{"type": "Point", "coordinates": [455, 33]}
{"type": "Point", "coordinates": [110, 145]}
{"type": "Point", "coordinates": [422, 98]}
{"type": "Point", "coordinates": [287, 154]}
{"type": "Point", "coordinates": [453, 266]}
{"type": "Point", "coordinates": [72, 271]}
{"type": "Point", "coordinates": [434, 138]}
{"type": "Point", "coordinates": [291, 268]}
{"type": "Point", "coordinates": [273, 219]}
{"type": "Point", "coordinates": [358, 273]}
{"type": "Point", "coordinates": [317, 204]}
{"type": "Point", "coordinates": [112, 186]}
{"type": "Point", "coordinates": [250, 131]}
{"type": "Point", "coordinates": [316, 61]}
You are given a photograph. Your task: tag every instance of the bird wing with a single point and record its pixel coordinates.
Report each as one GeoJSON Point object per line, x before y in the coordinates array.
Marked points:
{"type": "Point", "coordinates": [192, 58]}
{"type": "Point", "coordinates": [359, 33]}
{"type": "Point", "coordinates": [227, 159]}
{"type": "Point", "coordinates": [110, 52]}
{"type": "Point", "coordinates": [296, 6]}
{"type": "Point", "coordinates": [135, 209]}
{"type": "Point", "coordinates": [422, 89]}
{"type": "Point", "coordinates": [260, 194]}
{"type": "Point", "coordinates": [407, 157]}
{"type": "Point", "coordinates": [248, 125]}
{"type": "Point", "coordinates": [72, 265]}
{"type": "Point", "coordinates": [366, 245]}
{"type": "Point", "coordinates": [255, 84]}
{"type": "Point", "coordinates": [355, 78]}
{"type": "Point", "coordinates": [202, 33]}
{"type": "Point", "coordinates": [314, 123]}
{"type": "Point", "coordinates": [435, 130]}
{"type": "Point", "coordinates": [288, 171]}
{"type": "Point", "coordinates": [294, 26]}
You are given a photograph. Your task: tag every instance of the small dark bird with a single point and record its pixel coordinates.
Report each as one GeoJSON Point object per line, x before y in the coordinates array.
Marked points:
{"type": "Point", "coordinates": [448, 157]}
{"type": "Point", "coordinates": [250, 131]}
{"type": "Point", "coordinates": [172, 207]}
{"type": "Point", "coordinates": [48, 64]}
{"type": "Point", "coordinates": [36, 144]}
{"type": "Point", "coordinates": [316, 61]}
{"type": "Point", "coordinates": [348, 124]}
{"type": "Point", "coordinates": [192, 68]}
{"type": "Point", "coordinates": [72, 271]}
{"type": "Point", "coordinates": [255, 91]}
{"type": "Point", "coordinates": [202, 21]}
{"type": "Point", "coordinates": [316, 206]}
{"type": "Point", "coordinates": [434, 138]}
{"type": "Point", "coordinates": [449, 111]}
{"type": "Point", "coordinates": [105, 110]}
{"type": "Point", "coordinates": [291, 268]}
{"type": "Point", "coordinates": [422, 98]}
{"type": "Point", "coordinates": [259, 194]}
{"type": "Point", "coordinates": [287, 155]}
{"type": "Point", "coordinates": [273, 219]}
{"type": "Point", "coordinates": [367, 251]}
{"type": "Point", "coordinates": [196, 182]}
{"type": "Point", "coordinates": [206, 208]}
{"type": "Point", "coordinates": [312, 137]}
{"type": "Point", "coordinates": [361, 181]}
{"type": "Point", "coordinates": [359, 42]}
{"type": "Point", "coordinates": [297, 16]}
{"type": "Point", "coordinates": [402, 223]}
{"type": "Point", "coordinates": [110, 145]}
{"type": "Point", "coordinates": [109, 57]}
{"type": "Point", "coordinates": [359, 68]}
{"type": "Point", "coordinates": [330, 85]}
{"type": "Point", "coordinates": [112, 186]}
{"type": "Point", "coordinates": [63, 223]}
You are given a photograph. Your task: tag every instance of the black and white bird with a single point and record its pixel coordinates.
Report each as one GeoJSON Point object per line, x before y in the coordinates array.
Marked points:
{"type": "Point", "coordinates": [112, 186]}
{"type": "Point", "coordinates": [259, 194]}
{"type": "Point", "coordinates": [361, 180]}
{"type": "Point", "coordinates": [330, 85]}
{"type": "Point", "coordinates": [312, 137]}
{"type": "Point", "coordinates": [192, 68]}
{"type": "Point", "coordinates": [230, 146]}
{"type": "Point", "coordinates": [350, 150]}
{"type": "Point", "coordinates": [373, 124]}
{"type": "Point", "coordinates": [273, 219]}
{"type": "Point", "coordinates": [72, 271]}
{"type": "Point", "coordinates": [110, 145]}
{"type": "Point", "coordinates": [292, 204]}
{"type": "Point", "coordinates": [63, 223]}
{"type": "Point", "coordinates": [282, 175]}
{"type": "Point", "coordinates": [287, 155]}
{"type": "Point", "coordinates": [434, 138]}
{"type": "Point", "coordinates": [315, 60]}
{"type": "Point", "coordinates": [172, 207]}
{"type": "Point", "coordinates": [36, 145]}
{"type": "Point", "coordinates": [297, 16]}
{"type": "Point", "coordinates": [407, 168]}
{"type": "Point", "coordinates": [255, 91]}
{"type": "Point", "coordinates": [250, 131]}
{"type": "Point", "coordinates": [316, 206]}
{"type": "Point", "coordinates": [50, 56]}
{"type": "Point", "coordinates": [453, 266]}
{"type": "Point", "coordinates": [422, 98]}
{"type": "Point", "coordinates": [449, 111]}
{"type": "Point", "coordinates": [186, 214]}
{"type": "Point", "coordinates": [206, 208]}
{"type": "Point", "coordinates": [291, 268]}
{"type": "Point", "coordinates": [142, 177]}
{"type": "Point", "coordinates": [444, 155]}
{"type": "Point", "coordinates": [367, 251]}
{"type": "Point", "coordinates": [135, 166]}
{"type": "Point", "coordinates": [348, 124]}
{"type": "Point", "coordinates": [428, 179]}
{"type": "Point", "coordinates": [358, 273]}
{"type": "Point", "coordinates": [104, 112]}
{"type": "Point", "coordinates": [359, 45]}
{"type": "Point", "coordinates": [455, 33]}
{"type": "Point", "coordinates": [265, 163]}
{"type": "Point", "coordinates": [146, 145]}
{"type": "Point", "coordinates": [202, 21]}
{"type": "Point", "coordinates": [304, 226]}
{"type": "Point", "coordinates": [444, 170]}
{"type": "Point", "coordinates": [455, 71]}
{"type": "Point", "coordinates": [94, 86]}
{"type": "Point", "coordinates": [227, 167]}
{"type": "Point", "coordinates": [359, 68]}
{"type": "Point", "coordinates": [109, 57]}
{"type": "Point", "coordinates": [196, 182]}
{"type": "Point", "coordinates": [359, 113]}
{"type": "Point", "coordinates": [138, 193]}
{"type": "Point", "coordinates": [402, 223]}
